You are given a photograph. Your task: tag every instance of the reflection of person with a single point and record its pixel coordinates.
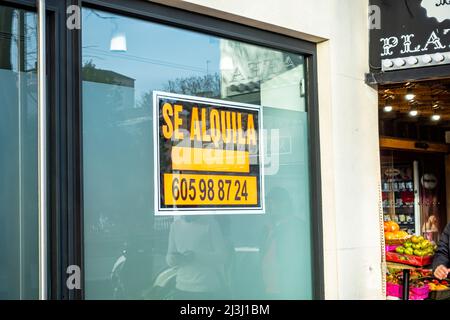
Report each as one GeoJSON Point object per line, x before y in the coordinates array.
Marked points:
{"type": "Point", "coordinates": [441, 262]}
{"type": "Point", "coordinates": [282, 263]}
{"type": "Point", "coordinates": [430, 228]}
{"type": "Point", "coordinates": [197, 248]}
{"type": "Point", "coordinates": [430, 206]}
{"type": "Point", "coordinates": [128, 271]}
{"type": "Point", "coordinates": [431, 225]}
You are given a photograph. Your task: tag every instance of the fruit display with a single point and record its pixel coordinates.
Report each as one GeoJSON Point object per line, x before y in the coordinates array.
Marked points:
{"type": "Point", "coordinates": [439, 290]}
{"type": "Point", "coordinates": [436, 285]}
{"type": "Point", "coordinates": [418, 288]}
{"type": "Point", "coordinates": [417, 246]}
{"type": "Point", "coordinates": [399, 234]}
{"type": "Point", "coordinates": [415, 251]}
{"type": "Point", "coordinates": [391, 226]}
{"type": "Point", "coordinates": [393, 234]}
{"type": "Point", "coordinates": [422, 284]}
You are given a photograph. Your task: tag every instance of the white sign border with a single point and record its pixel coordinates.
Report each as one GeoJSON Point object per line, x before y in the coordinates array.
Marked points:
{"type": "Point", "coordinates": [158, 211]}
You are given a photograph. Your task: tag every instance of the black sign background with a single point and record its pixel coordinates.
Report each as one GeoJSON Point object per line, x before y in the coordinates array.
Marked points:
{"type": "Point", "coordinates": [165, 147]}
{"type": "Point", "coordinates": [399, 17]}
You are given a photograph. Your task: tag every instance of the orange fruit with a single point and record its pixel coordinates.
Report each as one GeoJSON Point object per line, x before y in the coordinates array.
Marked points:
{"type": "Point", "coordinates": [391, 226]}
{"type": "Point", "coordinates": [389, 235]}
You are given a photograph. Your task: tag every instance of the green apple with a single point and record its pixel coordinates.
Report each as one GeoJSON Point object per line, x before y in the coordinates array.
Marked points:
{"type": "Point", "coordinates": [400, 250]}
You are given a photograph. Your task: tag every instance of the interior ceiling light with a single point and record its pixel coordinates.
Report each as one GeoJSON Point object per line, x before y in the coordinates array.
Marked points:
{"type": "Point", "coordinates": [387, 106]}
{"type": "Point", "coordinates": [427, 58]}
{"type": "Point", "coordinates": [435, 104]}
{"type": "Point", "coordinates": [439, 57]}
{"type": "Point", "coordinates": [409, 95]}
{"type": "Point", "coordinates": [436, 117]}
{"type": "Point", "coordinates": [413, 112]}
{"type": "Point", "coordinates": [412, 61]}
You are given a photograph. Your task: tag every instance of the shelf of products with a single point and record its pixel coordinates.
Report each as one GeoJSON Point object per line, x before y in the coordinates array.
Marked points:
{"type": "Point", "coordinates": [398, 195]}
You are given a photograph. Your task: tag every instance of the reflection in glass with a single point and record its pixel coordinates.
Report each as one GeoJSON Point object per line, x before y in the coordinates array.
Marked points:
{"type": "Point", "coordinates": [18, 156]}
{"type": "Point", "coordinates": [130, 253]}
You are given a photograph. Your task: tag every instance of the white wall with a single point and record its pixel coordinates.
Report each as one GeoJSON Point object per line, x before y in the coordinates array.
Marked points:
{"type": "Point", "coordinates": [349, 128]}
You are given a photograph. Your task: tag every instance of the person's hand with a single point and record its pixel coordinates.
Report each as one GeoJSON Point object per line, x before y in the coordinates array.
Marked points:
{"type": "Point", "coordinates": [441, 272]}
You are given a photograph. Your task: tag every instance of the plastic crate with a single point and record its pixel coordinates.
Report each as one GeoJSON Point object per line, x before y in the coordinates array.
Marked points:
{"type": "Point", "coordinates": [396, 290]}
{"type": "Point", "coordinates": [409, 259]}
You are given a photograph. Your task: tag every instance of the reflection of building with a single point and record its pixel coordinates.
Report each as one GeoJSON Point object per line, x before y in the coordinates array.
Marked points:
{"type": "Point", "coordinates": [112, 176]}
{"type": "Point", "coordinates": [262, 76]}
{"type": "Point", "coordinates": [92, 74]}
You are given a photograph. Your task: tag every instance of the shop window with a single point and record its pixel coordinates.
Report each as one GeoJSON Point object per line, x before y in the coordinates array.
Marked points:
{"type": "Point", "coordinates": [126, 246]}
{"type": "Point", "coordinates": [18, 156]}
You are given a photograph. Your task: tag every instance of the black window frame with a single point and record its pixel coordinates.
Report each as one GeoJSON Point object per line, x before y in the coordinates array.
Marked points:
{"type": "Point", "coordinates": [231, 30]}
{"type": "Point", "coordinates": [66, 232]}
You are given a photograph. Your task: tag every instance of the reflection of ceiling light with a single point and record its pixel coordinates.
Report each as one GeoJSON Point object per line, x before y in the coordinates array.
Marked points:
{"type": "Point", "coordinates": [435, 117]}
{"type": "Point", "coordinates": [409, 95]}
{"type": "Point", "coordinates": [413, 113]}
{"type": "Point", "coordinates": [118, 43]}
{"type": "Point", "coordinates": [226, 63]}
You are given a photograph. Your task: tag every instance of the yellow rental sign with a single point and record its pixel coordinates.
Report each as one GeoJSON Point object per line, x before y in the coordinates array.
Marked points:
{"type": "Point", "coordinates": [207, 156]}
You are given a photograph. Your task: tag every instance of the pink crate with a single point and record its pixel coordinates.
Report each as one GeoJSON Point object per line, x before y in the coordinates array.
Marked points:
{"type": "Point", "coordinates": [420, 293]}
{"type": "Point", "coordinates": [391, 247]}
{"type": "Point", "coordinates": [395, 290]}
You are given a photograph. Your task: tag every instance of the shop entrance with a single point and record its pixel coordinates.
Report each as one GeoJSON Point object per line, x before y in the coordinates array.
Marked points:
{"type": "Point", "coordinates": [415, 166]}
{"type": "Point", "coordinates": [414, 191]}
{"type": "Point", "coordinates": [414, 124]}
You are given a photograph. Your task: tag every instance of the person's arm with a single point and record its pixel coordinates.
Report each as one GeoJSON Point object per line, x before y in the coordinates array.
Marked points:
{"type": "Point", "coordinates": [441, 256]}
{"type": "Point", "coordinates": [172, 252]}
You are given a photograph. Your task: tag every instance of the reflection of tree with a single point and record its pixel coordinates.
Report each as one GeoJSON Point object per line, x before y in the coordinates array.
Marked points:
{"type": "Point", "coordinates": [205, 86]}
{"type": "Point", "coordinates": [6, 19]}
{"type": "Point", "coordinates": [17, 32]}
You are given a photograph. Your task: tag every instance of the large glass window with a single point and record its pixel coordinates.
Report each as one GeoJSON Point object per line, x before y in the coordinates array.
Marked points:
{"type": "Point", "coordinates": [132, 254]}
{"type": "Point", "coordinates": [18, 155]}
